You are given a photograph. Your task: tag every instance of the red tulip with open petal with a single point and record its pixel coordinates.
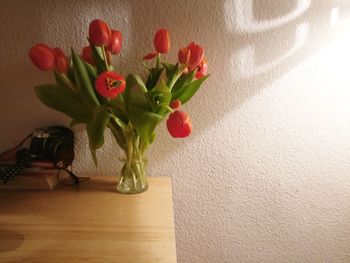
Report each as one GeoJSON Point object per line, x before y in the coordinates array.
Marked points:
{"type": "Point", "coordinates": [109, 84]}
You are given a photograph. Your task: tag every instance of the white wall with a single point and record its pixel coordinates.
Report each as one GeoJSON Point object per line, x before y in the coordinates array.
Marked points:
{"type": "Point", "coordinates": [265, 175]}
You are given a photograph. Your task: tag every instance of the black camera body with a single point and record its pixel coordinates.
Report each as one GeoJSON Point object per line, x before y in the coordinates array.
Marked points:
{"type": "Point", "coordinates": [53, 143]}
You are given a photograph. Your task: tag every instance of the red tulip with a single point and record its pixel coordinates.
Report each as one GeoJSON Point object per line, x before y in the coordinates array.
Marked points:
{"type": "Point", "coordinates": [115, 44]}
{"type": "Point", "coordinates": [109, 84]}
{"type": "Point", "coordinates": [162, 41]}
{"type": "Point", "coordinates": [58, 52]}
{"type": "Point", "coordinates": [99, 33]}
{"type": "Point", "coordinates": [175, 104]}
{"type": "Point", "coordinates": [61, 63]}
{"type": "Point", "coordinates": [191, 56]}
{"type": "Point", "coordinates": [87, 55]}
{"type": "Point", "coordinates": [202, 69]}
{"type": "Point", "coordinates": [179, 124]}
{"type": "Point", "coordinates": [184, 55]}
{"type": "Point", "coordinates": [42, 56]}
{"type": "Point", "coordinates": [149, 56]}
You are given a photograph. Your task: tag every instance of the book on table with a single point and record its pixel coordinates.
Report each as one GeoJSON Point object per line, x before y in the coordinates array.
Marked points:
{"type": "Point", "coordinates": [39, 175]}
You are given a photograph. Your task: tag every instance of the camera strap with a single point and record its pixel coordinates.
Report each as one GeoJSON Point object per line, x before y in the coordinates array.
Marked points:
{"type": "Point", "coordinates": [22, 161]}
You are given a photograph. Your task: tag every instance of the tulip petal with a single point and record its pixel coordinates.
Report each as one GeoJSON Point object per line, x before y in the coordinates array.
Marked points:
{"type": "Point", "coordinates": [149, 56]}
{"type": "Point", "coordinates": [115, 44]}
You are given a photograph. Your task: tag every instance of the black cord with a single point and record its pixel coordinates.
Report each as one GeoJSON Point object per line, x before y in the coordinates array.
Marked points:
{"type": "Point", "coordinates": [75, 179]}
{"type": "Point", "coordinates": [16, 147]}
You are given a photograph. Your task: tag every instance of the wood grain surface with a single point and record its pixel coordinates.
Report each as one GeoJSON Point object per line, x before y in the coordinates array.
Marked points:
{"type": "Point", "coordinates": [89, 223]}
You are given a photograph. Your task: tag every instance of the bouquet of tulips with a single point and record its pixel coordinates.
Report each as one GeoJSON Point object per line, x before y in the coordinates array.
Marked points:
{"type": "Point", "coordinates": [91, 92]}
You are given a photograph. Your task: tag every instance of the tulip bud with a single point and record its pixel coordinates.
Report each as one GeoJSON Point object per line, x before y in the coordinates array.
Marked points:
{"type": "Point", "coordinates": [99, 33]}
{"type": "Point", "coordinates": [87, 55]}
{"type": "Point", "coordinates": [115, 44]}
{"type": "Point", "coordinates": [42, 57]}
{"type": "Point", "coordinates": [175, 104]}
{"type": "Point", "coordinates": [109, 84]}
{"type": "Point", "coordinates": [179, 124]}
{"type": "Point", "coordinates": [162, 41]}
{"type": "Point", "coordinates": [61, 63]}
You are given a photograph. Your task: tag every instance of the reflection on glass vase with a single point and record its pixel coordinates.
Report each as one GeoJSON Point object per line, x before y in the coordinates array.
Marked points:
{"type": "Point", "coordinates": [133, 174]}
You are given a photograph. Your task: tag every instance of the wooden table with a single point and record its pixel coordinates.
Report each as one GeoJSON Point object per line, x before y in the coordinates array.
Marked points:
{"type": "Point", "coordinates": [89, 223]}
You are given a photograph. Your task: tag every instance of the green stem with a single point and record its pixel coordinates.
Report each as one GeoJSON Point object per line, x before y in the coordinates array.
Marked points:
{"type": "Point", "coordinates": [176, 77]}
{"type": "Point", "coordinates": [117, 134]}
{"type": "Point", "coordinates": [133, 173]}
{"type": "Point", "coordinates": [105, 57]}
{"type": "Point", "coordinates": [158, 61]}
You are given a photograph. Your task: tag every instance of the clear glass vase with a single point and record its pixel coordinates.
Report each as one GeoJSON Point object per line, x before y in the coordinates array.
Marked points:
{"type": "Point", "coordinates": [133, 174]}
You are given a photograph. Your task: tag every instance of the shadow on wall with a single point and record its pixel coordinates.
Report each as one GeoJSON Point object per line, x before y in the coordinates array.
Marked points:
{"type": "Point", "coordinates": [249, 44]}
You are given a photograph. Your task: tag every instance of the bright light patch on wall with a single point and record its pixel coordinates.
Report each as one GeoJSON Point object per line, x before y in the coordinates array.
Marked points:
{"type": "Point", "coordinates": [313, 102]}
{"type": "Point", "coordinates": [335, 62]}
{"type": "Point", "coordinates": [245, 65]}
{"type": "Point", "coordinates": [240, 16]}
{"type": "Point", "coordinates": [336, 19]}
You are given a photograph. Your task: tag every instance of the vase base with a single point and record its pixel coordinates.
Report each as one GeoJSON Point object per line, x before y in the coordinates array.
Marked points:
{"type": "Point", "coordinates": [132, 187]}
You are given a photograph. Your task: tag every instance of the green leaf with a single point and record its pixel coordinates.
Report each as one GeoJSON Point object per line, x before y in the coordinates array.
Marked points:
{"type": "Point", "coordinates": [134, 95]}
{"type": "Point", "coordinates": [96, 129]}
{"type": "Point", "coordinates": [92, 149]}
{"type": "Point", "coordinates": [170, 69]}
{"type": "Point", "coordinates": [63, 80]}
{"type": "Point", "coordinates": [153, 77]}
{"type": "Point", "coordinates": [98, 58]}
{"type": "Point", "coordinates": [117, 111]}
{"type": "Point", "coordinates": [183, 81]}
{"type": "Point", "coordinates": [70, 75]}
{"type": "Point", "coordinates": [161, 94]}
{"type": "Point", "coordinates": [144, 122]}
{"type": "Point", "coordinates": [91, 70]}
{"type": "Point", "coordinates": [117, 132]}
{"type": "Point", "coordinates": [63, 99]}
{"type": "Point", "coordinates": [137, 80]}
{"type": "Point", "coordinates": [120, 122]}
{"type": "Point", "coordinates": [87, 91]}
{"type": "Point", "coordinates": [97, 126]}
{"type": "Point", "coordinates": [185, 93]}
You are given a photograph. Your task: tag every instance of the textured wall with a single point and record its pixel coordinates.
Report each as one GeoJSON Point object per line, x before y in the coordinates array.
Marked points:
{"type": "Point", "coordinates": [265, 175]}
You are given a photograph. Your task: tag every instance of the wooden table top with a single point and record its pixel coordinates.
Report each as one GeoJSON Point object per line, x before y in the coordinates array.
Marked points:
{"type": "Point", "coordinates": [89, 223]}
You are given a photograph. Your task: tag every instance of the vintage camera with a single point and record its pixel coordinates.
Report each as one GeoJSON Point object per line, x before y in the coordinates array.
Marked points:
{"type": "Point", "coordinates": [53, 143]}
